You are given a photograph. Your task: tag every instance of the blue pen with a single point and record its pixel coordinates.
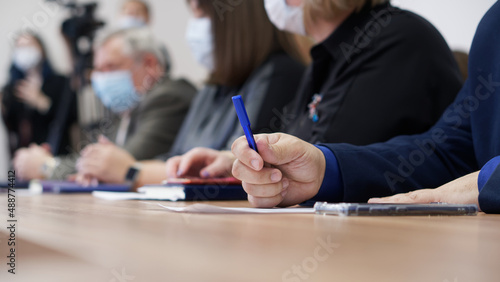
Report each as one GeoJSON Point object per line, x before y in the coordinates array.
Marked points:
{"type": "Point", "coordinates": [244, 121]}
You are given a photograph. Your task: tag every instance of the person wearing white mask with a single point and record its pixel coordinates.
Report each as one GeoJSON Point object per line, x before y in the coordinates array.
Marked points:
{"type": "Point", "coordinates": [31, 98]}
{"type": "Point", "coordinates": [377, 72]}
{"type": "Point", "coordinates": [134, 13]}
{"type": "Point", "coordinates": [264, 66]}
{"type": "Point", "coordinates": [130, 79]}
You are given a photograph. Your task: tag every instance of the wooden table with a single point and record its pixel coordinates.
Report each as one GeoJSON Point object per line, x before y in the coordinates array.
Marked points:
{"type": "Point", "coordinates": [81, 238]}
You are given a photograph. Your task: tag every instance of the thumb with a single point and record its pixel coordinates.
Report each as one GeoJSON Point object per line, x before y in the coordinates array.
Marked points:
{"type": "Point", "coordinates": [218, 168]}
{"type": "Point", "coordinates": [104, 140]}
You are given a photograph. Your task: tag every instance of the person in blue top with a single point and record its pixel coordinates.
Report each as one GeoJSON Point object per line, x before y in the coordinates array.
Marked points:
{"type": "Point", "coordinates": [463, 141]}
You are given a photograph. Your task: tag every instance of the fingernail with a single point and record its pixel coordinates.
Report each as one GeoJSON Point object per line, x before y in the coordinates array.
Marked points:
{"type": "Point", "coordinates": [205, 174]}
{"type": "Point", "coordinates": [286, 183]}
{"type": "Point", "coordinates": [255, 164]}
{"type": "Point", "coordinates": [275, 176]}
{"type": "Point", "coordinates": [180, 172]}
{"type": "Point", "coordinates": [283, 194]}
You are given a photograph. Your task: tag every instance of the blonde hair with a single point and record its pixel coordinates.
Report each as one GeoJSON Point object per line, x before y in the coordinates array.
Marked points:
{"type": "Point", "coordinates": [328, 9]}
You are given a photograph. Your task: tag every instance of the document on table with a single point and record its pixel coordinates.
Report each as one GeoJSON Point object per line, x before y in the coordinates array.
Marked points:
{"type": "Point", "coordinates": [204, 208]}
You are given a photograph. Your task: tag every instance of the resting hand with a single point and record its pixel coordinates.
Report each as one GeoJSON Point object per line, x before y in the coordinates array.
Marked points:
{"type": "Point", "coordinates": [201, 162]}
{"type": "Point", "coordinates": [296, 174]}
{"type": "Point", "coordinates": [28, 162]}
{"type": "Point", "coordinates": [29, 92]}
{"type": "Point", "coordinates": [460, 191]}
{"type": "Point", "coordinates": [103, 161]}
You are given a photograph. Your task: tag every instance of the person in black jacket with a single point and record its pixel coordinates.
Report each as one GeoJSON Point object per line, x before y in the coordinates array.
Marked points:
{"type": "Point", "coordinates": [463, 145]}
{"type": "Point", "coordinates": [380, 72]}
{"type": "Point", "coordinates": [31, 98]}
{"type": "Point", "coordinates": [377, 72]}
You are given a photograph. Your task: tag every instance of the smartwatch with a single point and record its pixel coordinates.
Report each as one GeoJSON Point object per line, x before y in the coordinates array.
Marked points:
{"type": "Point", "coordinates": [133, 173]}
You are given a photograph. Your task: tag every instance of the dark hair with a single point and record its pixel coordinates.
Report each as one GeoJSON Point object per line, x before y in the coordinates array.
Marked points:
{"type": "Point", "coordinates": [16, 74]}
{"type": "Point", "coordinates": [37, 38]}
{"type": "Point", "coordinates": [244, 38]}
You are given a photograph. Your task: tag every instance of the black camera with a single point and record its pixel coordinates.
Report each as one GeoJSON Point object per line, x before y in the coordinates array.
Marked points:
{"type": "Point", "coordinates": [82, 22]}
{"type": "Point", "coordinates": [79, 32]}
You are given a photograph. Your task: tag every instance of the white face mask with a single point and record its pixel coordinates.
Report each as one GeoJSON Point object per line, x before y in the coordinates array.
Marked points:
{"type": "Point", "coordinates": [131, 22]}
{"type": "Point", "coordinates": [200, 40]}
{"type": "Point", "coordinates": [285, 17]}
{"type": "Point", "coordinates": [26, 58]}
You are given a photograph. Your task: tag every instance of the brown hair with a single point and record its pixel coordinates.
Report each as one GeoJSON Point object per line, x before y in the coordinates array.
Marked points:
{"type": "Point", "coordinates": [328, 9]}
{"type": "Point", "coordinates": [462, 59]}
{"type": "Point", "coordinates": [243, 39]}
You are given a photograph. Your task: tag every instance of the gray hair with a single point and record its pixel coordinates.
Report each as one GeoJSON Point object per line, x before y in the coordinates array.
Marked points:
{"type": "Point", "coordinates": [139, 41]}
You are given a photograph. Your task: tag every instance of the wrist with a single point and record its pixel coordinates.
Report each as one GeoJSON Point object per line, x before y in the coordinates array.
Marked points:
{"type": "Point", "coordinates": [133, 173]}
{"type": "Point", "coordinates": [331, 185]}
{"type": "Point", "coordinates": [49, 166]}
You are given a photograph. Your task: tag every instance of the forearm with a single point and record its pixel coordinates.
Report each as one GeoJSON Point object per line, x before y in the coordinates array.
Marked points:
{"type": "Point", "coordinates": [152, 172]}
{"type": "Point", "coordinates": [401, 165]}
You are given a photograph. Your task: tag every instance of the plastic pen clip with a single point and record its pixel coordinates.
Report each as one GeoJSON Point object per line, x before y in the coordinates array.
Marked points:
{"type": "Point", "coordinates": [244, 121]}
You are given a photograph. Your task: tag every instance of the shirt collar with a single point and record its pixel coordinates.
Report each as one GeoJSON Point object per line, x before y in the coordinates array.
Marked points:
{"type": "Point", "coordinates": [342, 39]}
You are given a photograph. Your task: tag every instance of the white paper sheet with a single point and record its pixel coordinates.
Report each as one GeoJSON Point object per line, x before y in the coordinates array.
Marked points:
{"type": "Point", "coordinates": [171, 194]}
{"type": "Point", "coordinates": [204, 208]}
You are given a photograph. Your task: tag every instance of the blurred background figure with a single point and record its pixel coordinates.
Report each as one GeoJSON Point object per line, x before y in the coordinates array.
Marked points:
{"type": "Point", "coordinates": [31, 98]}
{"type": "Point", "coordinates": [148, 106]}
{"type": "Point", "coordinates": [263, 66]}
{"type": "Point", "coordinates": [134, 13]}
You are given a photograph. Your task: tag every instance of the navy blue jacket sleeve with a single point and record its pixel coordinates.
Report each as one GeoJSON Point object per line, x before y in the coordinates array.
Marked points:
{"type": "Point", "coordinates": [489, 186]}
{"type": "Point", "coordinates": [331, 189]}
{"type": "Point", "coordinates": [465, 138]}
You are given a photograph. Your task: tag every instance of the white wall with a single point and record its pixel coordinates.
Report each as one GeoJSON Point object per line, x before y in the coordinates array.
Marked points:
{"type": "Point", "coordinates": [456, 19]}
{"type": "Point", "coordinates": [169, 22]}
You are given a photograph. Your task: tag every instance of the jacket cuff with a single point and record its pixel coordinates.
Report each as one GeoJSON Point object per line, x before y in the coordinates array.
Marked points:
{"type": "Point", "coordinates": [332, 187]}
{"type": "Point", "coordinates": [486, 172]}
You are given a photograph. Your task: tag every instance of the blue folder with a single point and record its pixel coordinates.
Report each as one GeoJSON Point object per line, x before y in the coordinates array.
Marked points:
{"type": "Point", "coordinates": [53, 186]}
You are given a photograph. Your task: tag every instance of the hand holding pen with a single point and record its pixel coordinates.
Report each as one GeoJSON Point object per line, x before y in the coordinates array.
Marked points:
{"type": "Point", "coordinates": [297, 167]}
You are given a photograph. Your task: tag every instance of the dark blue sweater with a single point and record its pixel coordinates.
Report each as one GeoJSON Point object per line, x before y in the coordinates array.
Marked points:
{"type": "Point", "coordinates": [462, 141]}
